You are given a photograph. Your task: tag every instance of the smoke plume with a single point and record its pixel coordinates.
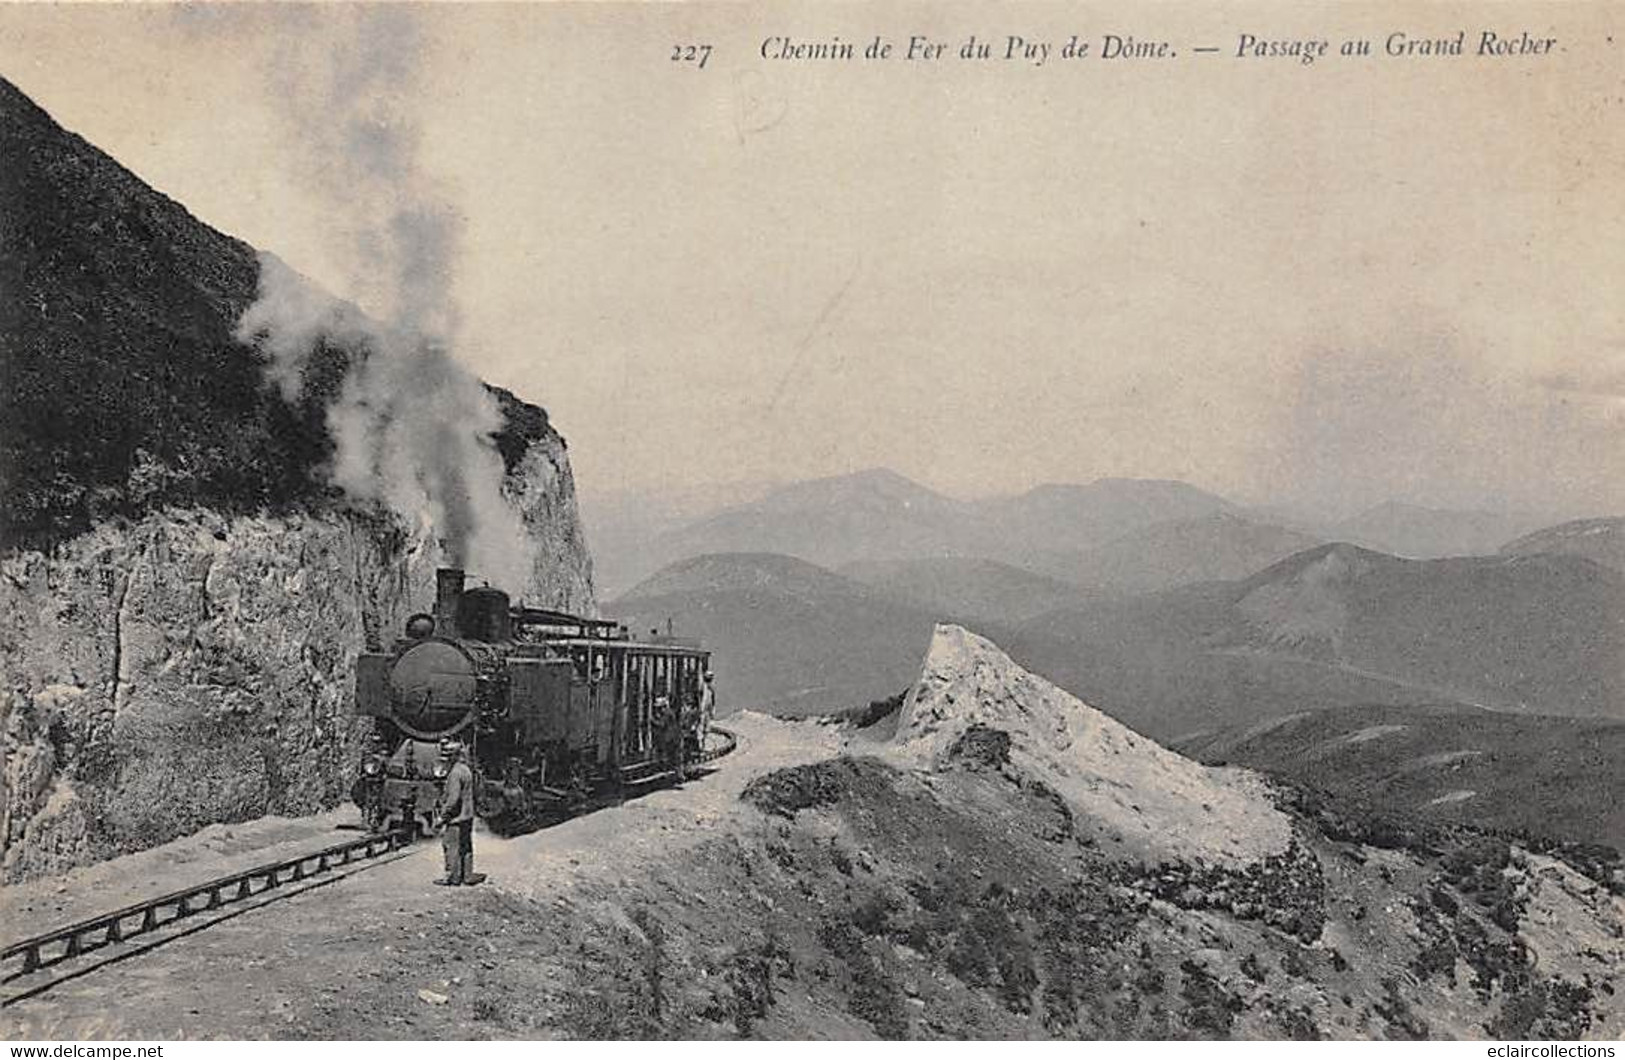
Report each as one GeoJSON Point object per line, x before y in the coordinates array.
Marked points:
{"type": "Point", "coordinates": [412, 427]}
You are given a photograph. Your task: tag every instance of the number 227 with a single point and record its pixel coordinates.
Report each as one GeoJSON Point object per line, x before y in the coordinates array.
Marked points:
{"type": "Point", "coordinates": [691, 53]}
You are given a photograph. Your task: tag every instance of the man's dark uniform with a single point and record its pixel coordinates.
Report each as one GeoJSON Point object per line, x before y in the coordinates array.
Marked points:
{"type": "Point", "coordinates": [457, 816]}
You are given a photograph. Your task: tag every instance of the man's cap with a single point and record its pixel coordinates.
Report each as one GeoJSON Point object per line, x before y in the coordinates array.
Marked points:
{"type": "Point", "coordinates": [709, 673]}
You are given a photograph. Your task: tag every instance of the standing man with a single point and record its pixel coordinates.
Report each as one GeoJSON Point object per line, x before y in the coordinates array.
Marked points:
{"type": "Point", "coordinates": [457, 817]}
{"type": "Point", "coordinates": [708, 706]}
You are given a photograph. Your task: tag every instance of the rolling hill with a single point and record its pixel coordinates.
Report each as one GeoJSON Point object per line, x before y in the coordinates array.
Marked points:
{"type": "Point", "coordinates": [1055, 521]}
{"type": "Point", "coordinates": [869, 515]}
{"type": "Point", "coordinates": [789, 637]}
{"type": "Point", "coordinates": [620, 523]}
{"type": "Point", "coordinates": [1213, 547]}
{"type": "Point", "coordinates": [1341, 625]}
{"type": "Point", "coordinates": [1537, 774]}
{"type": "Point", "coordinates": [879, 515]}
{"type": "Point", "coordinates": [1333, 626]}
{"type": "Point", "coordinates": [1599, 540]}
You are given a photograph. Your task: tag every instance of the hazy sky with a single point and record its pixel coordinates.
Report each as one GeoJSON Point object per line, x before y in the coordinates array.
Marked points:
{"type": "Point", "coordinates": [1330, 283]}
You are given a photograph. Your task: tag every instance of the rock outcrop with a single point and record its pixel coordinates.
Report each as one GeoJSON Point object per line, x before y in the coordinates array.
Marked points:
{"type": "Point", "coordinates": [1135, 795]}
{"type": "Point", "coordinates": [1012, 864]}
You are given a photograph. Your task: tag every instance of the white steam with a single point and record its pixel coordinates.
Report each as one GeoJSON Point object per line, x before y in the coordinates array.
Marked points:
{"type": "Point", "coordinates": [412, 427]}
{"type": "Point", "coordinates": [290, 317]}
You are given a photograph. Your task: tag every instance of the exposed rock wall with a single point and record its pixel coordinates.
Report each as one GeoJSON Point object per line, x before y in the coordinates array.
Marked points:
{"type": "Point", "coordinates": [191, 668]}
{"type": "Point", "coordinates": [541, 485]}
{"type": "Point", "coordinates": [182, 590]}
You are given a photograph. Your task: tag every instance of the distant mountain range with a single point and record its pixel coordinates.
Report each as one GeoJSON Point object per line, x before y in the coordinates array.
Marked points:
{"type": "Point", "coordinates": [1220, 545]}
{"type": "Point", "coordinates": [1173, 609]}
{"type": "Point", "coordinates": [879, 515]}
{"type": "Point", "coordinates": [1113, 535]}
{"type": "Point", "coordinates": [1335, 625]}
{"type": "Point", "coordinates": [621, 524]}
{"type": "Point", "coordinates": [830, 521]}
{"type": "Point", "coordinates": [1033, 528]}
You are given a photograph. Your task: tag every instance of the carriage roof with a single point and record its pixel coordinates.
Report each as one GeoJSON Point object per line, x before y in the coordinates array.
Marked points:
{"type": "Point", "coordinates": [562, 629]}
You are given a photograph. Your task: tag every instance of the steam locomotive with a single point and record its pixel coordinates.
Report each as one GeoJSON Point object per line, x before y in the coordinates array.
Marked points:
{"type": "Point", "coordinates": [554, 709]}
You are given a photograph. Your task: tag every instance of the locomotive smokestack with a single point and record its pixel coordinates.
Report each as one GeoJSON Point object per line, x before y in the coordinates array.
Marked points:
{"type": "Point", "coordinates": [448, 590]}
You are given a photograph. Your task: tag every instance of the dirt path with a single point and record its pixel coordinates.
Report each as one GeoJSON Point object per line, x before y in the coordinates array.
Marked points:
{"type": "Point", "coordinates": [350, 957]}
{"type": "Point", "coordinates": [613, 843]}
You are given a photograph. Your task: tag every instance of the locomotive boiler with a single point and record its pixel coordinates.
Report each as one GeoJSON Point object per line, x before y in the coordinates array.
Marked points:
{"type": "Point", "coordinates": [553, 709]}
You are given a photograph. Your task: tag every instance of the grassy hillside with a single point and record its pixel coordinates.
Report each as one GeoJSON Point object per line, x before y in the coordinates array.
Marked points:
{"type": "Point", "coordinates": [1599, 540]}
{"type": "Point", "coordinates": [124, 386]}
{"type": "Point", "coordinates": [1537, 774]}
{"type": "Point", "coordinates": [1338, 625]}
{"type": "Point", "coordinates": [124, 389]}
{"type": "Point", "coordinates": [1335, 626]}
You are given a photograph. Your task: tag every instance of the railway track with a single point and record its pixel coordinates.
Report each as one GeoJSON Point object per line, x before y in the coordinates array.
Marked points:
{"type": "Point", "coordinates": [162, 917]}
{"type": "Point", "coordinates": [25, 965]}
{"type": "Point", "coordinates": [726, 745]}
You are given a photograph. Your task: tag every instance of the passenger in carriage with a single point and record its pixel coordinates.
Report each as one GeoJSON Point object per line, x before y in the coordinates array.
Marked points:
{"type": "Point", "coordinates": [668, 731]}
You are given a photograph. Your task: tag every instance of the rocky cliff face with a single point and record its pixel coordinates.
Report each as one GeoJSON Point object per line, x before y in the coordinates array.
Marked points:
{"type": "Point", "coordinates": [192, 667]}
{"type": "Point", "coordinates": [540, 485]}
{"type": "Point", "coordinates": [185, 669]}
{"type": "Point", "coordinates": [183, 588]}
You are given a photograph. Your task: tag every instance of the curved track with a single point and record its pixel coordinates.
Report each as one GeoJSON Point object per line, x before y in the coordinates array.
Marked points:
{"type": "Point", "coordinates": [729, 741]}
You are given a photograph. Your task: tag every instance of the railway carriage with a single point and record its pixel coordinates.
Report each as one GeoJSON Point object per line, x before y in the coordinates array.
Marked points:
{"type": "Point", "coordinates": [554, 709]}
